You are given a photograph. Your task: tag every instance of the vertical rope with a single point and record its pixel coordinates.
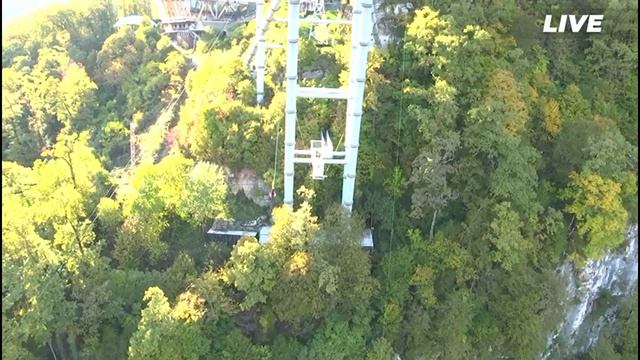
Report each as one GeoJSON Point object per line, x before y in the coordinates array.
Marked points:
{"type": "Point", "coordinates": [275, 161]}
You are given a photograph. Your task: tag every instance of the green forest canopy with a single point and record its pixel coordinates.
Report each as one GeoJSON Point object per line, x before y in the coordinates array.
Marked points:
{"type": "Point", "coordinates": [488, 155]}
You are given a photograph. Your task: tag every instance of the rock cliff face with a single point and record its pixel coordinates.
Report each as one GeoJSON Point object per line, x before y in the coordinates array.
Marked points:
{"type": "Point", "coordinates": [594, 293]}
{"type": "Point", "coordinates": [252, 184]}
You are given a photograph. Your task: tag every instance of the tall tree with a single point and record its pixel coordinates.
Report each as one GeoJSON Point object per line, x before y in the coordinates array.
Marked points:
{"type": "Point", "coordinates": [601, 218]}
{"type": "Point", "coordinates": [169, 333]}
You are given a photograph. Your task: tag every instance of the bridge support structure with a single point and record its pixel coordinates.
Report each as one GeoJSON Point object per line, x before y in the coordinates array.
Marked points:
{"type": "Point", "coordinates": [361, 39]}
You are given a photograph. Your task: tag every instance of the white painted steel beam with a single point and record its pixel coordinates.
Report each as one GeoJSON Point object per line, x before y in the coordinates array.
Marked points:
{"type": "Point", "coordinates": [362, 27]}
{"type": "Point", "coordinates": [291, 98]}
{"type": "Point", "coordinates": [312, 152]}
{"type": "Point", "coordinates": [323, 93]}
{"type": "Point", "coordinates": [325, 161]}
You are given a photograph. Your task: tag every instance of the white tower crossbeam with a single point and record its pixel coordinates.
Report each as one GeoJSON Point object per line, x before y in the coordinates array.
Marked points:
{"type": "Point", "coordinates": [292, 91]}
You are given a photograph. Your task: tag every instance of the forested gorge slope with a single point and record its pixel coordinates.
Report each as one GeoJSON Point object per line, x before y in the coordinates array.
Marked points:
{"type": "Point", "coordinates": [489, 154]}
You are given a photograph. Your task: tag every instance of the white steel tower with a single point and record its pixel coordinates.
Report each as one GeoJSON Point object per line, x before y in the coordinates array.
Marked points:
{"type": "Point", "coordinates": [361, 27]}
